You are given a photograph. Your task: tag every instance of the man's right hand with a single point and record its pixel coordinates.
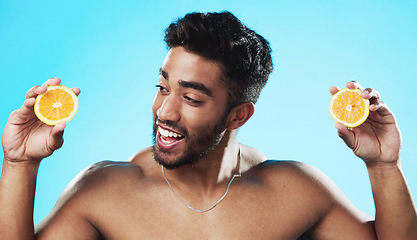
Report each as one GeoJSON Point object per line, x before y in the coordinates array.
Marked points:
{"type": "Point", "coordinates": [25, 137]}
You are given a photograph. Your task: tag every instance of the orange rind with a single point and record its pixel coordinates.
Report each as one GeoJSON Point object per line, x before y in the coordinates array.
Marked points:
{"type": "Point", "coordinates": [349, 108]}
{"type": "Point", "coordinates": [58, 104]}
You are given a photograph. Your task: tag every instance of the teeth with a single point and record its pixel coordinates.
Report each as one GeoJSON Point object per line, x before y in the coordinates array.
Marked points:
{"type": "Point", "coordinates": [166, 133]}
{"type": "Point", "coordinates": [165, 141]}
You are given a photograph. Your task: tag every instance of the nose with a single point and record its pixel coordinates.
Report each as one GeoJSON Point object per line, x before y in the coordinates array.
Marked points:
{"type": "Point", "coordinates": [169, 110]}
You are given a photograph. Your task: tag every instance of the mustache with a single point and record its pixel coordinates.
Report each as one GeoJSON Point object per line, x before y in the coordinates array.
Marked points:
{"type": "Point", "coordinates": [173, 125]}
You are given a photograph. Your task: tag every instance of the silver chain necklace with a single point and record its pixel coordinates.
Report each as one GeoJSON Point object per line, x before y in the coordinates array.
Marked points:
{"type": "Point", "coordinates": [210, 208]}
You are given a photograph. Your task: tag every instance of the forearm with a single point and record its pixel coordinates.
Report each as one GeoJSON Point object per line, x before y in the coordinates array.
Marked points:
{"type": "Point", "coordinates": [17, 193]}
{"type": "Point", "coordinates": [396, 216]}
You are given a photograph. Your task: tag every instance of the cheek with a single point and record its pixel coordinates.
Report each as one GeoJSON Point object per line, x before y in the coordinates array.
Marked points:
{"type": "Point", "coordinates": [203, 120]}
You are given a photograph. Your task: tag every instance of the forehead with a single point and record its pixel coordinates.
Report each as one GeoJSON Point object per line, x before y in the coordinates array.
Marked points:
{"type": "Point", "coordinates": [181, 65]}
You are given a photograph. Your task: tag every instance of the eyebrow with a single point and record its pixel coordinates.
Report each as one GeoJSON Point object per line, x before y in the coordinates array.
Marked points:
{"type": "Point", "coordinates": [163, 73]}
{"type": "Point", "coordinates": [189, 84]}
{"type": "Point", "coordinates": [197, 86]}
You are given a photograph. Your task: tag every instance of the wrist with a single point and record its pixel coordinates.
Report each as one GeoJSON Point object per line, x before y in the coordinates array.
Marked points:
{"type": "Point", "coordinates": [383, 165]}
{"type": "Point", "coordinates": [26, 167]}
{"type": "Point", "coordinates": [384, 170]}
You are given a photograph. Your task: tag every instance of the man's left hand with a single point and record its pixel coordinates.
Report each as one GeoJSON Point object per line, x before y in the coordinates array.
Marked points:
{"type": "Point", "coordinates": [378, 139]}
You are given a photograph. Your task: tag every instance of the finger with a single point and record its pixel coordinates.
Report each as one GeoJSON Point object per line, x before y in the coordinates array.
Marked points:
{"type": "Point", "coordinates": [27, 107]}
{"type": "Point", "coordinates": [377, 106]}
{"type": "Point", "coordinates": [333, 90]}
{"type": "Point", "coordinates": [346, 134]}
{"type": "Point", "coordinates": [24, 113]}
{"type": "Point", "coordinates": [76, 90]}
{"type": "Point", "coordinates": [52, 81]}
{"type": "Point", "coordinates": [36, 90]}
{"type": "Point", "coordinates": [382, 109]}
{"type": "Point", "coordinates": [57, 133]}
{"type": "Point", "coordinates": [371, 94]}
{"type": "Point", "coordinates": [374, 99]}
{"type": "Point", "coordinates": [354, 85]}
{"type": "Point", "coordinates": [58, 128]}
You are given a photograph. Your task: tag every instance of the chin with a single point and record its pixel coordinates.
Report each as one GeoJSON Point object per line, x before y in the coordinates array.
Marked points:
{"type": "Point", "coordinates": [171, 162]}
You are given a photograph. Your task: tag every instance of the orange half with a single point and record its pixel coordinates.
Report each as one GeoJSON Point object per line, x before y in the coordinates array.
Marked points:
{"type": "Point", "coordinates": [57, 104]}
{"type": "Point", "coordinates": [349, 108]}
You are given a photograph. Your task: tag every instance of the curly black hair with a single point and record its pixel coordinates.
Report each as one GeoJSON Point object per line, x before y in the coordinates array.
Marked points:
{"type": "Point", "coordinates": [244, 55]}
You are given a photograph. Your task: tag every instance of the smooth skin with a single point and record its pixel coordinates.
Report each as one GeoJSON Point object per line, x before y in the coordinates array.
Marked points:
{"type": "Point", "coordinates": [271, 200]}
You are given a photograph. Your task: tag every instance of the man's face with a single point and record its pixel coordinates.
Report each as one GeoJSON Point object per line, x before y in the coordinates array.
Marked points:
{"type": "Point", "coordinates": [189, 109]}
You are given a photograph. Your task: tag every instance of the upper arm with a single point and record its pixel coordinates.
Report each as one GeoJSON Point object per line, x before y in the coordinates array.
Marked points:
{"type": "Point", "coordinates": [326, 212]}
{"type": "Point", "coordinates": [341, 223]}
{"type": "Point", "coordinates": [338, 218]}
{"type": "Point", "coordinates": [71, 217]}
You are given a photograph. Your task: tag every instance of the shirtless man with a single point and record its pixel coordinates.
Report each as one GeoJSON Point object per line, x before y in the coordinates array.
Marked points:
{"type": "Point", "coordinates": [197, 181]}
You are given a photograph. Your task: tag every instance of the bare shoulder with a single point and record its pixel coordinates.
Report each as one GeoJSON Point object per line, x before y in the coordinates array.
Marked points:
{"type": "Point", "coordinates": [110, 179]}
{"type": "Point", "coordinates": [291, 170]}
{"type": "Point", "coordinates": [299, 181]}
{"type": "Point", "coordinates": [105, 173]}
{"type": "Point", "coordinates": [255, 163]}
{"type": "Point", "coordinates": [108, 176]}
{"type": "Point", "coordinates": [293, 175]}
{"type": "Point", "coordinates": [106, 181]}
{"type": "Point", "coordinates": [311, 191]}
{"type": "Point", "coordinates": [89, 195]}
{"type": "Point", "coordinates": [98, 181]}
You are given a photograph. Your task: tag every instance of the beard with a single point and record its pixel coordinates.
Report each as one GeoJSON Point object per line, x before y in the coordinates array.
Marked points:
{"type": "Point", "coordinates": [201, 143]}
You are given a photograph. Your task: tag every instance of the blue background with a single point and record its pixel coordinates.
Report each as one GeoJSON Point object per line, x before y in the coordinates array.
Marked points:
{"type": "Point", "coordinates": [112, 50]}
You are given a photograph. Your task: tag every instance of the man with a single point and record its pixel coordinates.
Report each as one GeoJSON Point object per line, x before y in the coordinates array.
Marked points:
{"type": "Point", "coordinates": [197, 181]}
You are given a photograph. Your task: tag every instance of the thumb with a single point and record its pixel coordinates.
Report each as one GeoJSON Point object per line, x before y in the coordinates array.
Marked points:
{"type": "Point", "coordinates": [57, 134]}
{"type": "Point", "coordinates": [344, 133]}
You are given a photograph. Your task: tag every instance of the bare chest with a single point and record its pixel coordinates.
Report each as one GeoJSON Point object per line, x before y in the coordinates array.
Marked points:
{"type": "Point", "coordinates": [245, 213]}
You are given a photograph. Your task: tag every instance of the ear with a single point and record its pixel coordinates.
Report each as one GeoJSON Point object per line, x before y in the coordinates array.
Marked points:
{"type": "Point", "coordinates": [240, 114]}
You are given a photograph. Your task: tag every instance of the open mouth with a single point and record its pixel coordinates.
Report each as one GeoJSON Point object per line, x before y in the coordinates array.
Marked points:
{"type": "Point", "coordinates": [167, 139]}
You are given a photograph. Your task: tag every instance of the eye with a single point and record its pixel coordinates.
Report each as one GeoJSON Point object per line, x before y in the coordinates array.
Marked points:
{"type": "Point", "coordinates": [161, 88]}
{"type": "Point", "coordinates": [192, 101]}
